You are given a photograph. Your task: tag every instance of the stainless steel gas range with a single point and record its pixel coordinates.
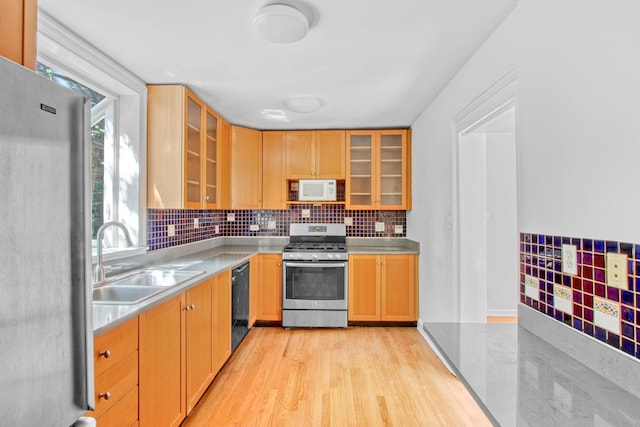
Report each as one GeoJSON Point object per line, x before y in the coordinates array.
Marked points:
{"type": "Point", "coordinates": [314, 276]}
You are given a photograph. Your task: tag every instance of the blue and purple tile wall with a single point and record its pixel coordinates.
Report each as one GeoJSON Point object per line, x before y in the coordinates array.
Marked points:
{"type": "Point", "coordinates": [214, 223]}
{"type": "Point", "coordinates": [585, 301]}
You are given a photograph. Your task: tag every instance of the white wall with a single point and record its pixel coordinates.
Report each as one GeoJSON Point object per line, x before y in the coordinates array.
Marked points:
{"type": "Point", "coordinates": [578, 63]}
{"type": "Point", "coordinates": [502, 234]}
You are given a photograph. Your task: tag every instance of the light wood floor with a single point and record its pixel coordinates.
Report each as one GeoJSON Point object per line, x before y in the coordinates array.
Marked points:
{"type": "Point", "coordinates": [336, 377]}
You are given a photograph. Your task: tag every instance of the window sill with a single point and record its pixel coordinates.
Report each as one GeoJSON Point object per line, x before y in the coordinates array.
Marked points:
{"type": "Point", "coordinates": [112, 254]}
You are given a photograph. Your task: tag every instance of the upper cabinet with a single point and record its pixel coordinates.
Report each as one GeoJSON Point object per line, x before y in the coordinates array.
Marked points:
{"type": "Point", "coordinates": [246, 168]}
{"type": "Point", "coordinates": [18, 27]}
{"type": "Point", "coordinates": [314, 154]}
{"type": "Point", "coordinates": [274, 186]}
{"type": "Point", "coordinates": [378, 170]}
{"type": "Point", "coordinates": [184, 147]}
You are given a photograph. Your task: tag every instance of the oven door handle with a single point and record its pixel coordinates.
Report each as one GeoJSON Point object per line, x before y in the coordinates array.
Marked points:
{"type": "Point", "coordinates": [314, 264]}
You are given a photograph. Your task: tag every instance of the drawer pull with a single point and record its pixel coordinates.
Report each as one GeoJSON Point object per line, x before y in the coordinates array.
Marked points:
{"type": "Point", "coordinates": [106, 354]}
{"type": "Point", "coordinates": [105, 396]}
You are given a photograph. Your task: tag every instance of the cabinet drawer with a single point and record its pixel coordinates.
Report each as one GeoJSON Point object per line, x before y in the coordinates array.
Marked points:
{"type": "Point", "coordinates": [113, 346]}
{"type": "Point", "coordinates": [117, 382]}
{"type": "Point", "coordinates": [123, 414]}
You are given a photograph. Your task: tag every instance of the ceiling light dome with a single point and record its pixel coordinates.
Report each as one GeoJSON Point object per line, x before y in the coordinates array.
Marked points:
{"type": "Point", "coordinates": [304, 104]}
{"type": "Point", "coordinates": [281, 23]}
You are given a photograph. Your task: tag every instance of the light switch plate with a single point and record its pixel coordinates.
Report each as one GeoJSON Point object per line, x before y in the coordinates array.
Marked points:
{"type": "Point", "coordinates": [569, 259]}
{"type": "Point", "coordinates": [348, 220]}
{"type": "Point", "coordinates": [254, 227]}
{"type": "Point", "coordinates": [379, 226]}
{"type": "Point", "coordinates": [271, 224]}
{"type": "Point", "coordinates": [231, 217]}
{"type": "Point", "coordinates": [171, 230]}
{"type": "Point", "coordinates": [398, 229]}
{"type": "Point", "coordinates": [306, 213]}
{"type": "Point", "coordinates": [217, 228]}
{"type": "Point", "coordinates": [617, 270]}
{"type": "Point", "coordinates": [196, 223]}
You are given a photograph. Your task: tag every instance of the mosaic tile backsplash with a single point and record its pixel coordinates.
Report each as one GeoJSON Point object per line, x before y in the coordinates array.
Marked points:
{"type": "Point", "coordinates": [216, 223]}
{"type": "Point", "coordinates": [585, 300]}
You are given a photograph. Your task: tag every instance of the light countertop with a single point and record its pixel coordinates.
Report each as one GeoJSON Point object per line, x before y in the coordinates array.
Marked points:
{"type": "Point", "coordinates": [211, 257]}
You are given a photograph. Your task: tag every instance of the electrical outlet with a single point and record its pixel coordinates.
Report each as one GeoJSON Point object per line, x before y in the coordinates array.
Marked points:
{"type": "Point", "coordinates": [569, 259]}
{"type": "Point", "coordinates": [348, 220]}
{"type": "Point", "coordinates": [254, 227]}
{"type": "Point", "coordinates": [617, 270]}
{"type": "Point", "coordinates": [532, 287]}
{"type": "Point", "coordinates": [271, 225]}
{"type": "Point", "coordinates": [398, 229]}
{"type": "Point", "coordinates": [171, 230]}
{"type": "Point", "coordinates": [231, 217]}
{"type": "Point", "coordinates": [196, 223]}
{"type": "Point", "coordinates": [217, 229]}
{"type": "Point", "coordinates": [306, 213]}
{"type": "Point", "coordinates": [379, 226]}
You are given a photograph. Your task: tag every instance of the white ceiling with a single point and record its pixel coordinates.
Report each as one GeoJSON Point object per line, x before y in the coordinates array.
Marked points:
{"type": "Point", "coordinates": [374, 63]}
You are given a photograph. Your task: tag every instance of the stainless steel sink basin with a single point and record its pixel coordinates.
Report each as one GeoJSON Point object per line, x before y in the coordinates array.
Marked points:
{"type": "Point", "coordinates": [162, 278]}
{"type": "Point", "coordinates": [140, 286]}
{"type": "Point", "coordinates": [110, 294]}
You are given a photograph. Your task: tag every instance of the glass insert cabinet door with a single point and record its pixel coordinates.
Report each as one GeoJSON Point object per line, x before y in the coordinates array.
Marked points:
{"type": "Point", "coordinates": [377, 169]}
{"type": "Point", "coordinates": [193, 153]}
{"type": "Point", "coordinates": [211, 160]}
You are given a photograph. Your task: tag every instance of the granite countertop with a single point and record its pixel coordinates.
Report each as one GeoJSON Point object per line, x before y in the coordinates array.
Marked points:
{"type": "Point", "coordinates": [211, 257]}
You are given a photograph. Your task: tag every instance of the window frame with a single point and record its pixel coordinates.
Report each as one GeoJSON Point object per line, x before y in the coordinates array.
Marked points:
{"type": "Point", "coordinates": [66, 52]}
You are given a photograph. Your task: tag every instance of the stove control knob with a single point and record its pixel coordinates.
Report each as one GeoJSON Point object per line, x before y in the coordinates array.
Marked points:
{"type": "Point", "coordinates": [314, 257]}
{"type": "Point", "coordinates": [330, 256]}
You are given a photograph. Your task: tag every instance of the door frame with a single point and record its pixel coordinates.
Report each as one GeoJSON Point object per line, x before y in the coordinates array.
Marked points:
{"type": "Point", "coordinates": [498, 98]}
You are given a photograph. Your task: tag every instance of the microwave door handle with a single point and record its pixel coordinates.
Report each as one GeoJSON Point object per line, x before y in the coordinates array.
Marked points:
{"type": "Point", "coordinates": [315, 264]}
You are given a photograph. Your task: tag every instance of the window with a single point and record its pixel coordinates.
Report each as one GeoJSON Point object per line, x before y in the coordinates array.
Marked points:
{"type": "Point", "coordinates": [118, 130]}
{"type": "Point", "coordinates": [98, 130]}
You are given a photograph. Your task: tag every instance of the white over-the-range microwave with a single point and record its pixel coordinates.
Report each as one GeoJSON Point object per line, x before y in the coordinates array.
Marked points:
{"type": "Point", "coordinates": [316, 190]}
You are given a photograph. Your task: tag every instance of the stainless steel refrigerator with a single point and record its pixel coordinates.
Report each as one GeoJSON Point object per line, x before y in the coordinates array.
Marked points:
{"type": "Point", "coordinates": [46, 339]}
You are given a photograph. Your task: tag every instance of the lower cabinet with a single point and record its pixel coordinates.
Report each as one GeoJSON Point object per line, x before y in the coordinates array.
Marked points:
{"type": "Point", "coordinates": [183, 344]}
{"type": "Point", "coordinates": [269, 287]}
{"type": "Point", "coordinates": [116, 376]}
{"type": "Point", "coordinates": [383, 288]}
{"type": "Point", "coordinates": [221, 346]}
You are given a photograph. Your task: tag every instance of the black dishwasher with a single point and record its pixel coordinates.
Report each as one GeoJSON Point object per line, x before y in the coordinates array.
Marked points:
{"type": "Point", "coordinates": [239, 304]}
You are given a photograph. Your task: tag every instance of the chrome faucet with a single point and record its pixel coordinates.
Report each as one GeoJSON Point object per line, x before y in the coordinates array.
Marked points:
{"type": "Point", "coordinates": [98, 272]}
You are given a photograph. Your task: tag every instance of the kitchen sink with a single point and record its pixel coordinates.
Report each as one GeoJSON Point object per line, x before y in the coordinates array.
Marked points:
{"type": "Point", "coordinates": [162, 278]}
{"type": "Point", "coordinates": [140, 286]}
{"type": "Point", "coordinates": [111, 294]}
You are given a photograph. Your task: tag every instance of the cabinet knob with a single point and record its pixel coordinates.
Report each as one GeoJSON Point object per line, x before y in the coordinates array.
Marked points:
{"type": "Point", "coordinates": [106, 354]}
{"type": "Point", "coordinates": [186, 308]}
{"type": "Point", "coordinates": [105, 395]}
{"type": "Point", "coordinates": [192, 307]}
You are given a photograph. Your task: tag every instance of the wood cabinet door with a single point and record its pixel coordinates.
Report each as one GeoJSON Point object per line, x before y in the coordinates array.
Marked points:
{"type": "Point", "coordinates": [364, 288]}
{"type": "Point", "coordinates": [162, 371]}
{"type": "Point", "coordinates": [398, 288]}
{"type": "Point", "coordinates": [329, 155]}
{"type": "Point", "coordinates": [253, 289]}
{"type": "Point", "coordinates": [273, 181]}
{"type": "Point", "coordinates": [360, 164]}
{"type": "Point", "coordinates": [270, 287]}
{"type": "Point", "coordinates": [210, 159]}
{"type": "Point", "coordinates": [224, 165]}
{"type": "Point", "coordinates": [299, 154]}
{"type": "Point", "coordinates": [391, 171]}
{"type": "Point", "coordinates": [221, 320]}
{"type": "Point", "coordinates": [18, 28]}
{"type": "Point", "coordinates": [246, 168]}
{"type": "Point", "coordinates": [199, 369]}
{"type": "Point", "coordinates": [193, 137]}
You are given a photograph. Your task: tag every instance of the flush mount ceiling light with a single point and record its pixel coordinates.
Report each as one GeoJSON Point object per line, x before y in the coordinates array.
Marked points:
{"type": "Point", "coordinates": [304, 104]}
{"type": "Point", "coordinates": [280, 23]}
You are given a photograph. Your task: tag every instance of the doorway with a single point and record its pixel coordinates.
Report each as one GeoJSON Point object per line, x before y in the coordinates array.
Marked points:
{"type": "Point", "coordinates": [487, 232]}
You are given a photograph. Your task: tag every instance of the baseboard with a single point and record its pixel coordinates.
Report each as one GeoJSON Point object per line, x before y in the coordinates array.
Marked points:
{"type": "Point", "coordinates": [613, 364]}
{"type": "Point", "coordinates": [502, 313]}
